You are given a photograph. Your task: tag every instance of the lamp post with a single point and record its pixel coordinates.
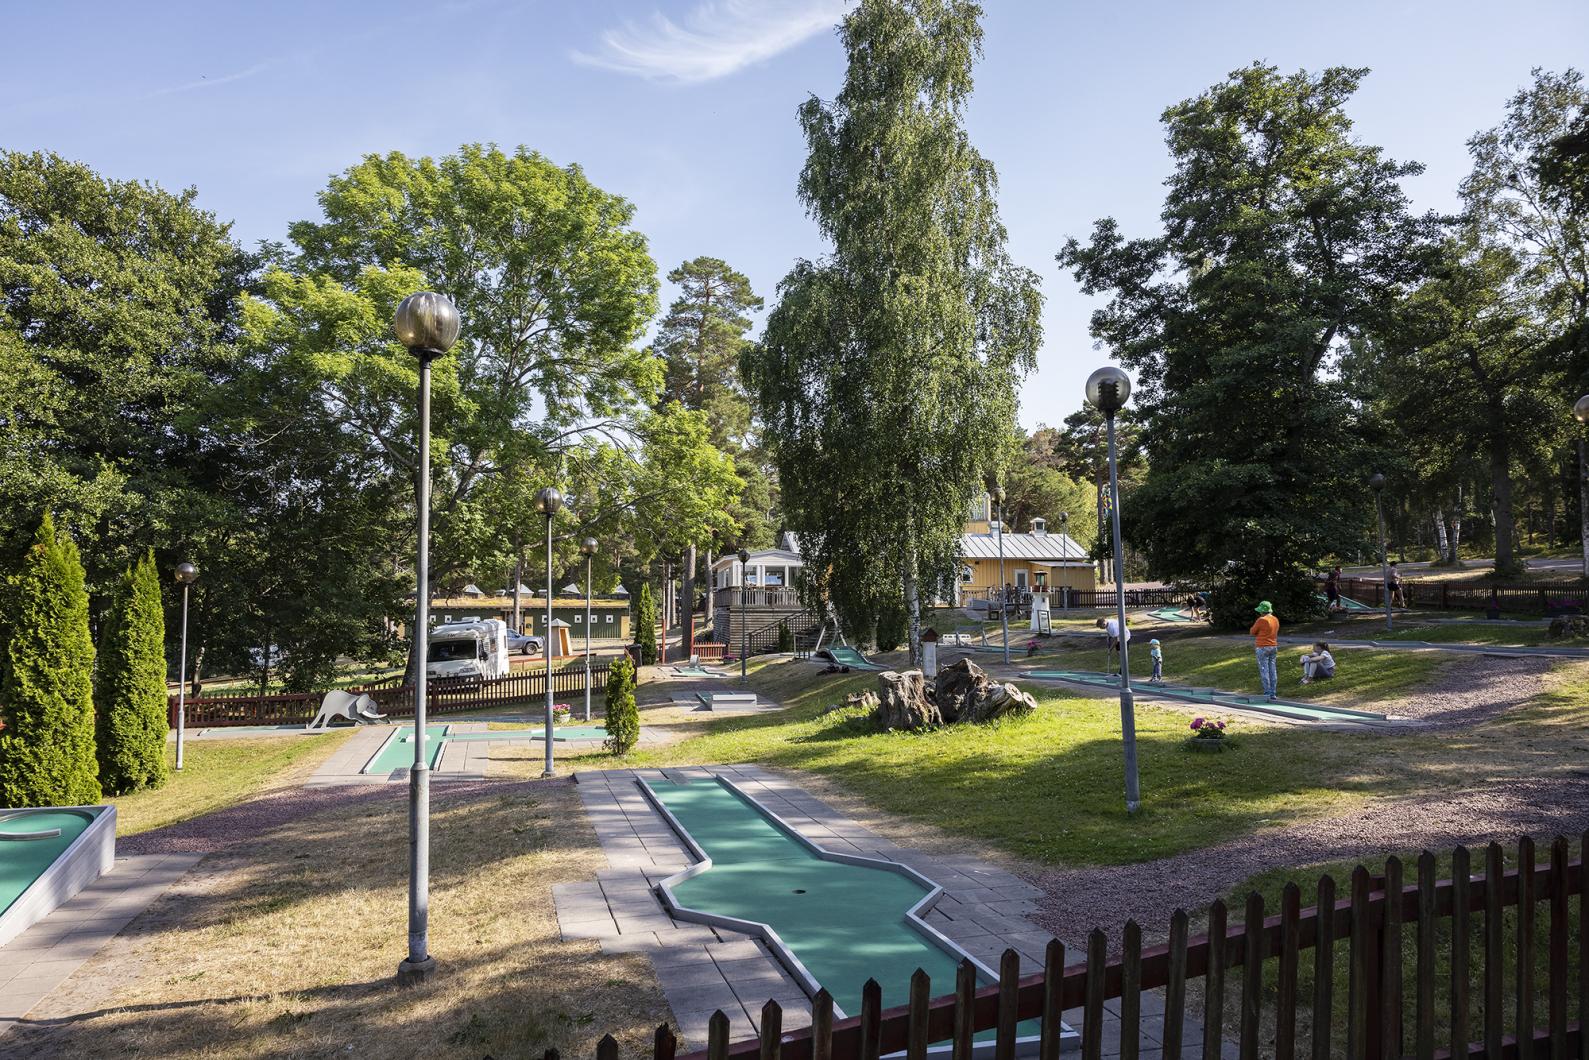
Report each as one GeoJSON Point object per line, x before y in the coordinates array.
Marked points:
{"type": "Point", "coordinates": [744, 618]}
{"type": "Point", "coordinates": [588, 547]}
{"type": "Point", "coordinates": [1108, 389]}
{"type": "Point", "coordinates": [1004, 599]}
{"type": "Point", "coordinates": [1580, 412]}
{"type": "Point", "coordinates": [1376, 483]}
{"type": "Point", "coordinates": [547, 502]}
{"type": "Point", "coordinates": [1064, 531]}
{"type": "Point", "coordinates": [186, 575]}
{"type": "Point", "coordinates": [427, 325]}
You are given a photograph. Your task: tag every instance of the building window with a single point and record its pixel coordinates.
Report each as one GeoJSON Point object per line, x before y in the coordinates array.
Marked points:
{"type": "Point", "coordinates": [1020, 579]}
{"type": "Point", "coordinates": [966, 573]}
{"type": "Point", "coordinates": [609, 619]}
{"type": "Point", "coordinates": [579, 620]}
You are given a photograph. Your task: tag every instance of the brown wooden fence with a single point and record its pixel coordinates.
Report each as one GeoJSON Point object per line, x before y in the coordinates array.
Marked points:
{"type": "Point", "coordinates": [442, 696]}
{"type": "Point", "coordinates": [1473, 596]}
{"type": "Point", "coordinates": [1466, 966]}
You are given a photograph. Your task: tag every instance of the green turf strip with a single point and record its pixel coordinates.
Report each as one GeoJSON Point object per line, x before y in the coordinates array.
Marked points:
{"type": "Point", "coordinates": [24, 860]}
{"type": "Point", "coordinates": [398, 753]}
{"type": "Point", "coordinates": [845, 656]}
{"type": "Point", "coordinates": [1170, 614]}
{"type": "Point", "coordinates": [1214, 697]}
{"type": "Point", "coordinates": [845, 923]}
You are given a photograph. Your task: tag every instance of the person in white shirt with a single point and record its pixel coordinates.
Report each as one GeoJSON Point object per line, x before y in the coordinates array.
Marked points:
{"type": "Point", "coordinates": [1318, 664]}
{"type": "Point", "coordinates": [1111, 627]}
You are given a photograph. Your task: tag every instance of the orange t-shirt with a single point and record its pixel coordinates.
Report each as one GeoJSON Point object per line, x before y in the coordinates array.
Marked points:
{"type": "Point", "coordinates": [1267, 630]}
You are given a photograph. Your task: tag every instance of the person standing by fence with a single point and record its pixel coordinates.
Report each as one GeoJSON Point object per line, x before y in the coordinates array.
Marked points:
{"type": "Point", "coordinates": [1266, 645]}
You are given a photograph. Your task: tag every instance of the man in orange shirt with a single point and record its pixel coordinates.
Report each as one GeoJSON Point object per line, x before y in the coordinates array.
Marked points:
{"type": "Point", "coordinates": [1266, 643]}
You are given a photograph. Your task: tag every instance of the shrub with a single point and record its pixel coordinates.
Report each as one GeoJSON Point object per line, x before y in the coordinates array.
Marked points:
{"type": "Point", "coordinates": [623, 717]}
{"type": "Point", "coordinates": [46, 680]}
{"type": "Point", "coordinates": [1295, 596]}
{"type": "Point", "coordinates": [785, 639]}
{"type": "Point", "coordinates": [646, 625]}
{"type": "Point", "coordinates": [130, 685]}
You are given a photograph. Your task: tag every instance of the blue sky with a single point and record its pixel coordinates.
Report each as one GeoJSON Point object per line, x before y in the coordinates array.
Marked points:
{"type": "Point", "coordinates": [686, 107]}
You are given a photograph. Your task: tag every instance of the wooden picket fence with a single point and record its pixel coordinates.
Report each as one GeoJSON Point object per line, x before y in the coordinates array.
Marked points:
{"type": "Point", "coordinates": [1473, 596]}
{"type": "Point", "coordinates": [1396, 995]}
{"type": "Point", "coordinates": [442, 696]}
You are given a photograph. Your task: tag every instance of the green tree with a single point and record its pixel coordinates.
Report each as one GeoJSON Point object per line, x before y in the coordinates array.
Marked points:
{"type": "Point", "coordinates": [130, 685]}
{"type": "Point", "coordinates": [1284, 238]}
{"type": "Point", "coordinates": [884, 364]}
{"type": "Point", "coordinates": [46, 680]}
{"type": "Point", "coordinates": [645, 617]}
{"type": "Point", "coordinates": [701, 341]}
{"type": "Point", "coordinates": [623, 717]}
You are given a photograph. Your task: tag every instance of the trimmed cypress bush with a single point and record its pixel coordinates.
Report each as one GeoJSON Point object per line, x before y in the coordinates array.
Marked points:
{"type": "Point", "coordinates": [646, 625]}
{"type": "Point", "coordinates": [786, 643]}
{"type": "Point", "coordinates": [623, 717]}
{"type": "Point", "coordinates": [46, 680]}
{"type": "Point", "coordinates": [130, 685]}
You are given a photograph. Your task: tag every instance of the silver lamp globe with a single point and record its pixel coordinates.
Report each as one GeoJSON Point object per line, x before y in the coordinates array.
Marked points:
{"type": "Point", "coordinates": [1581, 409]}
{"type": "Point", "coordinates": [548, 501]}
{"type": "Point", "coordinates": [426, 324]}
{"type": "Point", "coordinates": [1376, 482]}
{"type": "Point", "coordinates": [1108, 389]}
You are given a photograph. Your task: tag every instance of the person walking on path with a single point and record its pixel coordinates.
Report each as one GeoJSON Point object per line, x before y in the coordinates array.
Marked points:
{"type": "Point", "coordinates": [1397, 599]}
{"type": "Point", "coordinates": [1266, 645]}
{"type": "Point", "coordinates": [1332, 591]}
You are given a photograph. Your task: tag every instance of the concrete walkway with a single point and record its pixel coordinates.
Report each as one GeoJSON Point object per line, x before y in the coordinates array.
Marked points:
{"type": "Point", "coordinates": [701, 969]}
{"type": "Point", "coordinates": [46, 954]}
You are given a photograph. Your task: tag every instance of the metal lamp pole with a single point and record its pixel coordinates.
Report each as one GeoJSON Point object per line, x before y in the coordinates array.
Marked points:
{"type": "Point", "coordinates": [547, 502]}
{"type": "Point", "coordinates": [744, 618]}
{"type": "Point", "coordinates": [1108, 389]}
{"type": "Point", "coordinates": [1004, 599]}
{"type": "Point", "coordinates": [427, 324]}
{"type": "Point", "coordinates": [1580, 411]}
{"type": "Point", "coordinates": [1377, 483]}
{"type": "Point", "coordinates": [588, 547]}
{"type": "Point", "coordinates": [186, 575]}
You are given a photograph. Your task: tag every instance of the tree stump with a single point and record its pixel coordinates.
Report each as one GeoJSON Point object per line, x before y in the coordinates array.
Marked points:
{"type": "Point", "coordinates": [902, 702]}
{"type": "Point", "coordinates": [964, 692]}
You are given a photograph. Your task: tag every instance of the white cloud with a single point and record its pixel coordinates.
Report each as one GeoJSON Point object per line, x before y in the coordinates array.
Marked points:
{"type": "Point", "coordinates": [716, 39]}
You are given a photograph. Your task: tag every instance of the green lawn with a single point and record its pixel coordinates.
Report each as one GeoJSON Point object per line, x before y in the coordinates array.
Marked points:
{"type": "Point", "coordinates": [1362, 675]}
{"type": "Point", "coordinates": [218, 773]}
{"type": "Point", "coordinates": [1049, 787]}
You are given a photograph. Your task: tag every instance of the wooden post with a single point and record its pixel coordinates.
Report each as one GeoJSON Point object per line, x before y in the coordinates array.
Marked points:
{"type": "Point", "coordinates": [871, 1020]}
{"type": "Point", "coordinates": [771, 1031]}
{"type": "Point", "coordinates": [1493, 869]}
{"type": "Point", "coordinates": [822, 1025]}
{"type": "Point", "coordinates": [1092, 1006]}
{"type": "Point", "coordinates": [1525, 939]}
{"type": "Point", "coordinates": [607, 1048]}
{"type": "Point", "coordinates": [1389, 936]}
{"type": "Point", "coordinates": [1461, 921]}
{"type": "Point", "coordinates": [1558, 947]}
{"type": "Point", "coordinates": [664, 1045]}
{"type": "Point", "coordinates": [1009, 986]}
{"type": "Point", "coordinates": [1286, 985]}
{"type": "Point", "coordinates": [1131, 993]}
{"type": "Point", "coordinates": [1175, 989]}
{"type": "Point", "coordinates": [1214, 984]}
{"type": "Point", "coordinates": [1424, 1035]}
{"type": "Point", "coordinates": [1251, 976]}
{"type": "Point", "coordinates": [1053, 1000]}
{"type": "Point", "coordinates": [920, 997]}
{"type": "Point", "coordinates": [717, 1036]}
{"type": "Point", "coordinates": [965, 1009]}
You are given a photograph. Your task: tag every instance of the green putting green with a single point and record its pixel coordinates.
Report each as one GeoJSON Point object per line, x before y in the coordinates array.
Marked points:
{"type": "Point", "coordinates": [1171, 614]}
{"type": "Point", "coordinates": [24, 860]}
{"type": "Point", "coordinates": [398, 751]}
{"type": "Point", "coordinates": [1213, 697]}
{"type": "Point", "coordinates": [844, 923]}
{"type": "Point", "coordinates": [690, 670]}
{"type": "Point", "coordinates": [846, 656]}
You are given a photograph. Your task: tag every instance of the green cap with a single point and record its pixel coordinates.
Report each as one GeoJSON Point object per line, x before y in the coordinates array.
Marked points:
{"type": "Point", "coordinates": [1264, 607]}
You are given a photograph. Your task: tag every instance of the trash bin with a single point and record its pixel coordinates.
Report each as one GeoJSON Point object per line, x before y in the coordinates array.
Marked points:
{"type": "Point", "coordinates": [633, 651]}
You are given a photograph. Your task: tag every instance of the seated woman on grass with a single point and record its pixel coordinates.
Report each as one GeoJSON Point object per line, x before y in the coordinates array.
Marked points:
{"type": "Point", "coordinates": [1318, 664]}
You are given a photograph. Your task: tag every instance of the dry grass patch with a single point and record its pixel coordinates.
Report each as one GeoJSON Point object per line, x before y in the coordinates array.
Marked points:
{"type": "Point", "coordinates": [287, 946]}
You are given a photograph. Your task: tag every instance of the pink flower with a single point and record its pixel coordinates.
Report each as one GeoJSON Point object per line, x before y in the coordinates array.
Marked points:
{"type": "Point", "coordinates": [1197, 723]}
{"type": "Point", "coordinates": [1222, 726]}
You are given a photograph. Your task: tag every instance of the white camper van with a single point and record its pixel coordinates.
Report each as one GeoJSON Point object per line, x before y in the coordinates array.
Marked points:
{"type": "Point", "coordinates": [476, 649]}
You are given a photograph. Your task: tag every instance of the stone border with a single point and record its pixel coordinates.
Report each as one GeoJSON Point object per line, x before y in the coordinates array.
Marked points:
{"type": "Point", "coordinates": [84, 860]}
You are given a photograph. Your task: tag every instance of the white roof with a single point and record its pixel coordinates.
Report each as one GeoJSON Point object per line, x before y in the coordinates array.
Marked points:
{"type": "Point", "coordinates": [473, 590]}
{"type": "Point", "coordinates": [1050, 547]}
{"type": "Point", "coordinates": [776, 557]}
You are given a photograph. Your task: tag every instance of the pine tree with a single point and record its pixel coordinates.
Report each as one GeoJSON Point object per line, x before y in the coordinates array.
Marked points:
{"type": "Point", "coordinates": [646, 625]}
{"type": "Point", "coordinates": [130, 685]}
{"type": "Point", "coordinates": [623, 717]}
{"type": "Point", "coordinates": [46, 680]}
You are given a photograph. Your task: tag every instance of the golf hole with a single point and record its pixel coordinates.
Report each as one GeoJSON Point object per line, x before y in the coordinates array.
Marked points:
{"type": "Point", "coordinates": [800, 890]}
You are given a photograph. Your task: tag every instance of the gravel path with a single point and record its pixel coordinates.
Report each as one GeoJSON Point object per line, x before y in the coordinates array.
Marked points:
{"type": "Point", "coordinates": [248, 820]}
{"type": "Point", "coordinates": [1077, 900]}
{"type": "Point", "coordinates": [1475, 689]}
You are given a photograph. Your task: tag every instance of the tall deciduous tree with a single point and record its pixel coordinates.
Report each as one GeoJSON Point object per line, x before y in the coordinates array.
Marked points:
{"type": "Point", "coordinates": [46, 680]}
{"type": "Point", "coordinates": [1284, 237]}
{"type": "Point", "coordinates": [889, 369]}
{"type": "Point", "coordinates": [130, 685]}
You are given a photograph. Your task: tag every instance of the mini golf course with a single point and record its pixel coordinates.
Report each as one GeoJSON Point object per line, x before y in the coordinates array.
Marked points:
{"type": "Point", "coordinates": [46, 856]}
{"type": "Point", "coordinates": [696, 670]}
{"type": "Point", "coordinates": [834, 920]}
{"type": "Point", "coordinates": [1213, 697]}
{"type": "Point", "coordinates": [398, 750]}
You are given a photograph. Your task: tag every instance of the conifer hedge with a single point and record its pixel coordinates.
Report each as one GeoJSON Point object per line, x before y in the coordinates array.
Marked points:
{"type": "Point", "coordinates": [623, 717]}
{"type": "Point", "coordinates": [46, 680]}
{"type": "Point", "coordinates": [130, 685]}
{"type": "Point", "coordinates": [646, 625]}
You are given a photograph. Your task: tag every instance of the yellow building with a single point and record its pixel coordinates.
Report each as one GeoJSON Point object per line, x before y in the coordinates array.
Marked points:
{"type": "Point", "coordinates": [1035, 561]}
